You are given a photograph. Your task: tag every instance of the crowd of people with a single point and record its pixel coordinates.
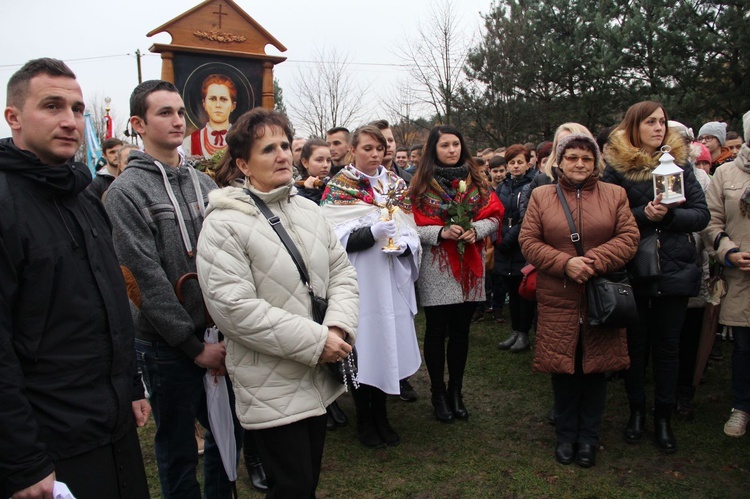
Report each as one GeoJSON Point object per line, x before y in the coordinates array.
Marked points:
{"type": "Point", "coordinates": [312, 258]}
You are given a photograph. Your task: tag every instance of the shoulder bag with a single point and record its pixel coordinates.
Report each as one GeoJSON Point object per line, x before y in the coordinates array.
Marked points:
{"type": "Point", "coordinates": [611, 302]}
{"type": "Point", "coordinates": [344, 371]}
{"type": "Point", "coordinates": [645, 264]}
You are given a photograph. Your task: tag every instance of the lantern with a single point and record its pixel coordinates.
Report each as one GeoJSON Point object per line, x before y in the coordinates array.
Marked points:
{"type": "Point", "coordinates": [668, 179]}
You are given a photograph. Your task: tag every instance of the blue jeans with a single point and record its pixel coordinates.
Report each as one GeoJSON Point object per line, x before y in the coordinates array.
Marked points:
{"type": "Point", "coordinates": [177, 398]}
{"type": "Point", "coordinates": [741, 368]}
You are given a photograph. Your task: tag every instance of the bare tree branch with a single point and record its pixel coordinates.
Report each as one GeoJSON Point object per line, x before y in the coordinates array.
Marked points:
{"type": "Point", "coordinates": [327, 95]}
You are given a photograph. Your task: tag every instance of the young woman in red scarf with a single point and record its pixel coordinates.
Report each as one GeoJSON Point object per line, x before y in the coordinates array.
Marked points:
{"type": "Point", "coordinates": [454, 210]}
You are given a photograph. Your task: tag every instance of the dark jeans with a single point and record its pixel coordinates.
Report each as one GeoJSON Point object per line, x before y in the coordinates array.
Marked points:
{"type": "Point", "coordinates": [291, 456]}
{"type": "Point", "coordinates": [741, 368]}
{"type": "Point", "coordinates": [521, 310]}
{"type": "Point", "coordinates": [177, 398]}
{"type": "Point", "coordinates": [579, 404]}
{"type": "Point", "coordinates": [112, 471]}
{"type": "Point", "coordinates": [689, 339]}
{"type": "Point", "coordinates": [659, 325]}
{"type": "Point", "coordinates": [452, 322]}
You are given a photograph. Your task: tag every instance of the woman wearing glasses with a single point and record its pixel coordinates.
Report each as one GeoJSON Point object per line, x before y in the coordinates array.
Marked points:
{"type": "Point", "coordinates": [574, 352]}
{"type": "Point", "coordinates": [633, 154]}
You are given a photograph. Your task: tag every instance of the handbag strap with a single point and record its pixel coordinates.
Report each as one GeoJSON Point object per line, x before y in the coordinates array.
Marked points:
{"type": "Point", "coordinates": [276, 225]}
{"type": "Point", "coordinates": [574, 235]}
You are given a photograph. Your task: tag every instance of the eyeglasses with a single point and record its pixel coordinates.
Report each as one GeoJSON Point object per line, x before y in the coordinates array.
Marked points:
{"type": "Point", "coordinates": [706, 138]}
{"type": "Point", "coordinates": [587, 160]}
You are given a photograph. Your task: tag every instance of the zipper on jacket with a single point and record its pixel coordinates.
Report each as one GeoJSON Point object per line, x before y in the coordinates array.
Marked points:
{"type": "Point", "coordinates": [580, 231]}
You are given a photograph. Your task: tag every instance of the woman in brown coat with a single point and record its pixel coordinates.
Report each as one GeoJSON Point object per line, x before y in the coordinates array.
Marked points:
{"type": "Point", "coordinates": [575, 353]}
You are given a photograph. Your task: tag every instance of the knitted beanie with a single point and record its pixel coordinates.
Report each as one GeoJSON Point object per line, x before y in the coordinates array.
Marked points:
{"type": "Point", "coordinates": [564, 143]}
{"type": "Point", "coordinates": [746, 126]}
{"type": "Point", "coordinates": [704, 154]}
{"type": "Point", "coordinates": [687, 133]}
{"type": "Point", "coordinates": [715, 128]}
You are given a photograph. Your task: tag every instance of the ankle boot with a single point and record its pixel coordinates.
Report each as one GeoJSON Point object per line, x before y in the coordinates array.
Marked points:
{"type": "Point", "coordinates": [505, 345]}
{"type": "Point", "coordinates": [522, 343]}
{"type": "Point", "coordinates": [663, 435]}
{"type": "Point", "coordinates": [456, 404]}
{"type": "Point", "coordinates": [254, 467]}
{"type": "Point", "coordinates": [443, 411]}
{"type": "Point", "coordinates": [636, 423]}
{"type": "Point", "coordinates": [366, 432]}
{"type": "Point", "coordinates": [380, 419]}
{"type": "Point", "coordinates": [337, 414]}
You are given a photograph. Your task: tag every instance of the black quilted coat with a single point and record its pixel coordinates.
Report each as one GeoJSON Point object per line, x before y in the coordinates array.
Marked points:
{"type": "Point", "coordinates": [631, 168]}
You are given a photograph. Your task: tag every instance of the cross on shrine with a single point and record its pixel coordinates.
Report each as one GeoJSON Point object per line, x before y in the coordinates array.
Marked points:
{"type": "Point", "coordinates": [220, 13]}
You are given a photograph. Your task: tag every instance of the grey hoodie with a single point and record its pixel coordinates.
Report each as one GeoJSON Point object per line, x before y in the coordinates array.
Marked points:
{"type": "Point", "coordinates": [154, 250]}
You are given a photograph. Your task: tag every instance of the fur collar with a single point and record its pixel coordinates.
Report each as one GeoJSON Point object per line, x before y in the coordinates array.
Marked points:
{"type": "Point", "coordinates": [635, 164]}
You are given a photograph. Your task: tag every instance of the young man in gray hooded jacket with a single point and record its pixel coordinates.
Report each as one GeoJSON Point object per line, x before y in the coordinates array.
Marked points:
{"type": "Point", "coordinates": [157, 207]}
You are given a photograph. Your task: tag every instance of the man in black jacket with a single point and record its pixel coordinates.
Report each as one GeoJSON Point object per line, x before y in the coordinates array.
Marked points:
{"type": "Point", "coordinates": [70, 394]}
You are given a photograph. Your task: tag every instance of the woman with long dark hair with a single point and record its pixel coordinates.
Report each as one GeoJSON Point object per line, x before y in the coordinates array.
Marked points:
{"type": "Point", "coordinates": [631, 157]}
{"type": "Point", "coordinates": [451, 276]}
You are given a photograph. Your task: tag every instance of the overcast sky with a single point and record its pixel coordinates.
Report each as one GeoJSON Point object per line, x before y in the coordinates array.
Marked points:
{"type": "Point", "coordinates": [98, 39]}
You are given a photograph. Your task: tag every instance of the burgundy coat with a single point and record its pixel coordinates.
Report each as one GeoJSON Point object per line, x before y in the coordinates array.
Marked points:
{"type": "Point", "coordinates": [610, 237]}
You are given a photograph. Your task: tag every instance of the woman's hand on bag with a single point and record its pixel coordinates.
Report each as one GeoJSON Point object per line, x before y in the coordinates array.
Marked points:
{"type": "Point", "coordinates": [336, 348]}
{"type": "Point", "coordinates": [452, 232]}
{"type": "Point", "coordinates": [580, 269]}
{"type": "Point", "coordinates": [470, 236]}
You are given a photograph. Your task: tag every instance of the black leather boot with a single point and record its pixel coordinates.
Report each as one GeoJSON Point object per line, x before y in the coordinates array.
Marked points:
{"type": "Point", "coordinates": [366, 432]}
{"type": "Point", "coordinates": [505, 345]}
{"type": "Point", "coordinates": [443, 411]}
{"type": "Point", "coordinates": [252, 462]}
{"type": "Point", "coordinates": [636, 423]}
{"type": "Point", "coordinates": [380, 419]}
{"type": "Point", "coordinates": [456, 403]}
{"type": "Point", "coordinates": [663, 435]}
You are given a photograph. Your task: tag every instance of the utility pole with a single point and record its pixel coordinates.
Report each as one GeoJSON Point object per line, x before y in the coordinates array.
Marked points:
{"type": "Point", "coordinates": [138, 62]}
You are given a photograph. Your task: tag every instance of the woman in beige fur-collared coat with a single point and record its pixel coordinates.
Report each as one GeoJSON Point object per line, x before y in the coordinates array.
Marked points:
{"type": "Point", "coordinates": [275, 350]}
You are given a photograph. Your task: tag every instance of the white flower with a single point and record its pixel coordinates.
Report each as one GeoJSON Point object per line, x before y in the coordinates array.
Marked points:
{"type": "Point", "coordinates": [462, 186]}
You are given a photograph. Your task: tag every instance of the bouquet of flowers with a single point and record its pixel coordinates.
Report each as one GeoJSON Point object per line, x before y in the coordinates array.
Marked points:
{"type": "Point", "coordinates": [459, 212]}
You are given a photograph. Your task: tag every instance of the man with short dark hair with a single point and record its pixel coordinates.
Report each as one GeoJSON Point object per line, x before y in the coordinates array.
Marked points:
{"type": "Point", "coordinates": [338, 139]}
{"type": "Point", "coordinates": [107, 173]}
{"type": "Point", "coordinates": [297, 168]}
{"type": "Point", "coordinates": [157, 206]}
{"type": "Point", "coordinates": [70, 393]}
{"type": "Point", "coordinates": [734, 143]}
{"type": "Point", "coordinates": [415, 154]}
{"type": "Point", "coordinates": [402, 157]}
{"type": "Point", "coordinates": [390, 150]}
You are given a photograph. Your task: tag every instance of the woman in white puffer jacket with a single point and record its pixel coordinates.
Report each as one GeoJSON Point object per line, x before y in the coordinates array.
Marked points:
{"type": "Point", "coordinates": [253, 291]}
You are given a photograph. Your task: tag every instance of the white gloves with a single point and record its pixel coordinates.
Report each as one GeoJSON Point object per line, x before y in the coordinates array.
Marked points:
{"type": "Point", "coordinates": [383, 229]}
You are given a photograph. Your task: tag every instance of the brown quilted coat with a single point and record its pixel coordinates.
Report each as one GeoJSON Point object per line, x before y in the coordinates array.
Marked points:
{"type": "Point", "coordinates": [610, 237]}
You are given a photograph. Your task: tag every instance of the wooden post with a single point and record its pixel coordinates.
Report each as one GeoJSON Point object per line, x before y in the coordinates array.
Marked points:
{"type": "Point", "coordinates": [167, 66]}
{"type": "Point", "coordinates": [267, 93]}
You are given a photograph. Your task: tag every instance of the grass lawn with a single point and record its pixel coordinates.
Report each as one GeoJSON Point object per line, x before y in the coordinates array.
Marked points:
{"type": "Point", "coordinates": [506, 447]}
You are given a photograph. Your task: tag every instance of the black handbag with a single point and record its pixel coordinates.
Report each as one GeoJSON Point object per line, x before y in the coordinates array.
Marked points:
{"type": "Point", "coordinates": [610, 298]}
{"type": "Point", "coordinates": [345, 370]}
{"type": "Point", "coordinates": [645, 264]}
